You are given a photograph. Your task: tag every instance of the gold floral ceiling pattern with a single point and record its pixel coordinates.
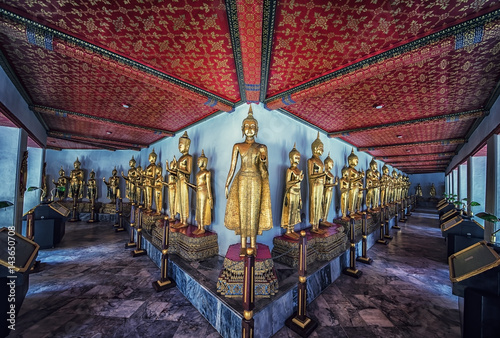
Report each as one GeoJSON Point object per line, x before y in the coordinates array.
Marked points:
{"type": "Point", "coordinates": [433, 67]}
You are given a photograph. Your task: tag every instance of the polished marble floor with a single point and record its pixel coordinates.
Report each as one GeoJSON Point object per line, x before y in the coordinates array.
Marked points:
{"type": "Point", "coordinates": [90, 286]}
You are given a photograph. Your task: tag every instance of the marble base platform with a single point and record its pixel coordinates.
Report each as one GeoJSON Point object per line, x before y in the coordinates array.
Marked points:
{"type": "Point", "coordinates": [185, 243]}
{"type": "Point", "coordinates": [197, 281]}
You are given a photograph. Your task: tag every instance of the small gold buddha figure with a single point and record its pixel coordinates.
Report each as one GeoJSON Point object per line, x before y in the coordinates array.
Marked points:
{"type": "Point", "coordinates": [330, 182]}
{"type": "Point", "coordinates": [418, 190]}
{"type": "Point", "coordinates": [148, 181]}
{"type": "Point", "coordinates": [204, 200]}
{"type": "Point", "coordinates": [113, 185]}
{"type": "Point", "coordinates": [130, 181]}
{"type": "Point", "coordinates": [344, 192]}
{"type": "Point", "coordinates": [292, 201]}
{"type": "Point", "coordinates": [370, 187]}
{"type": "Point", "coordinates": [172, 187]}
{"type": "Point", "coordinates": [248, 208]}
{"type": "Point", "coordinates": [394, 186]}
{"type": "Point", "coordinates": [61, 185]}
{"type": "Point", "coordinates": [76, 181]}
{"type": "Point", "coordinates": [184, 169]}
{"type": "Point", "coordinates": [385, 186]}
{"type": "Point", "coordinates": [316, 175]}
{"type": "Point", "coordinates": [375, 184]}
{"type": "Point", "coordinates": [355, 183]}
{"type": "Point", "coordinates": [432, 192]}
{"type": "Point", "coordinates": [158, 189]}
{"type": "Point", "coordinates": [139, 187]}
{"type": "Point", "coordinates": [92, 186]}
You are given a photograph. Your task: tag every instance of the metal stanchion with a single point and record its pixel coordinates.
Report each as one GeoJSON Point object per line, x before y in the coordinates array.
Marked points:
{"type": "Point", "coordinates": [131, 242]}
{"type": "Point", "coordinates": [247, 323]}
{"type": "Point", "coordinates": [403, 218]}
{"type": "Point", "coordinates": [139, 251]}
{"type": "Point", "coordinates": [92, 211]}
{"type": "Point", "coordinates": [117, 212]}
{"type": "Point", "coordinates": [381, 239]}
{"type": "Point", "coordinates": [299, 322]}
{"type": "Point", "coordinates": [408, 206]}
{"type": "Point", "coordinates": [164, 282]}
{"type": "Point", "coordinates": [351, 270]}
{"type": "Point", "coordinates": [396, 226]}
{"type": "Point", "coordinates": [74, 216]}
{"type": "Point", "coordinates": [119, 216]}
{"type": "Point", "coordinates": [386, 234]}
{"type": "Point", "coordinates": [364, 258]}
{"type": "Point", "coordinates": [30, 234]}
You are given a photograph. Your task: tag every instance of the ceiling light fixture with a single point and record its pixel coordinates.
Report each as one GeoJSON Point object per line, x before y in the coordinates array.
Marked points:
{"type": "Point", "coordinates": [399, 136]}
{"type": "Point", "coordinates": [125, 105]}
{"type": "Point", "coordinates": [378, 106]}
{"type": "Point", "coordinates": [109, 132]}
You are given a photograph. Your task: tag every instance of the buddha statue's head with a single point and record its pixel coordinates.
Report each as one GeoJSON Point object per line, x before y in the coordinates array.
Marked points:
{"type": "Point", "coordinates": [61, 172]}
{"type": "Point", "coordinates": [394, 174]}
{"type": "Point", "coordinates": [345, 172]}
{"type": "Point", "coordinates": [352, 159]}
{"type": "Point", "coordinates": [114, 172]}
{"type": "Point", "coordinates": [152, 156]}
{"type": "Point", "coordinates": [294, 155]}
{"type": "Point", "coordinates": [77, 164]}
{"type": "Point", "coordinates": [92, 174]}
{"type": "Point", "coordinates": [373, 165]}
{"type": "Point", "coordinates": [184, 143]}
{"type": "Point", "coordinates": [385, 170]}
{"type": "Point", "coordinates": [328, 162]}
{"type": "Point", "coordinates": [317, 146]}
{"type": "Point", "coordinates": [202, 160]}
{"type": "Point", "coordinates": [250, 126]}
{"type": "Point", "coordinates": [132, 162]}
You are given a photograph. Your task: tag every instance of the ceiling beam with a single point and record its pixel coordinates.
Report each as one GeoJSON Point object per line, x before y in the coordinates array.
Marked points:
{"type": "Point", "coordinates": [112, 143]}
{"type": "Point", "coordinates": [402, 145]}
{"type": "Point", "coordinates": [462, 116]}
{"type": "Point", "coordinates": [65, 113]}
{"type": "Point", "coordinates": [89, 143]}
{"type": "Point", "coordinates": [388, 158]}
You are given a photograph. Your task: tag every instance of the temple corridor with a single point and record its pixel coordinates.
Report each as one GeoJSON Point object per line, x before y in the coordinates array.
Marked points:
{"type": "Point", "coordinates": [90, 286]}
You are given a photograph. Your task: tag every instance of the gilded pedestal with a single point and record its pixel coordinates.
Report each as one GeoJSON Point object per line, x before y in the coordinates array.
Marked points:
{"type": "Point", "coordinates": [230, 281]}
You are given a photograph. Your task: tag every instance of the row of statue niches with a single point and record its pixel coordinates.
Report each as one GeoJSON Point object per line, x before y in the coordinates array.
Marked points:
{"type": "Point", "coordinates": [248, 208]}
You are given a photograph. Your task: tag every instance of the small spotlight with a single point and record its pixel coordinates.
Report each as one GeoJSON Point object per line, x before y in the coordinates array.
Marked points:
{"type": "Point", "coordinates": [125, 105]}
{"type": "Point", "coordinates": [399, 136]}
{"type": "Point", "coordinates": [378, 106]}
{"type": "Point", "coordinates": [109, 132]}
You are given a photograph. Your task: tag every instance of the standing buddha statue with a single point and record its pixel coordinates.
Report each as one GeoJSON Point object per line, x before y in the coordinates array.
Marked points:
{"type": "Point", "coordinates": [204, 200]}
{"type": "Point", "coordinates": [316, 175]}
{"type": "Point", "coordinates": [130, 181]}
{"type": "Point", "coordinates": [385, 186]}
{"type": "Point", "coordinates": [184, 169]}
{"type": "Point", "coordinates": [148, 179]}
{"type": "Point", "coordinates": [330, 182]}
{"type": "Point", "coordinates": [76, 181]}
{"type": "Point", "coordinates": [61, 184]}
{"type": "Point", "coordinates": [292, 201]}
{"type": "Point", "coordinates": [113, 185]}
{"type": "Point", "coordinates": [248, 209]}
{"type": "Point", "coordinates": [355, 183]}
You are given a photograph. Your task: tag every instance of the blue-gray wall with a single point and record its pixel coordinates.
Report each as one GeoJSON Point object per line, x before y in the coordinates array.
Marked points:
{"type": "Point", "coordinates": [426, 181]}
{"type": "Point", "coordinates": [9, 151]}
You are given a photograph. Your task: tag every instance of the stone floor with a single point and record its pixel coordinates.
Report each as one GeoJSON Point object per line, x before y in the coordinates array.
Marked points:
{"type": "Point", "coordinates": [89, 286]}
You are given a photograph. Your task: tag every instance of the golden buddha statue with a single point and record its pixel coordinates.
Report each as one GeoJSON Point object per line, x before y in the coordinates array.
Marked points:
{"type": "Point", "coordinates": [172, 187]}
{"type": "Point", "coordinates": [355, 183]}
{"type": "Point", "coordinates": [248, 209]}
{"type": "Point", "coordinates": [113, 185]}
{"type": "Point", "coordinates": [184, 169]}
{"type": "Point", "coordinates": [344, 192]}
{"type": "Point", "coordinates": [204, 200]}
{"type": "Point", "coordinates": [139, 188]}
{"type": "Point", "coordinates": [130, 181]}
{"type": "Point", "coordinates": [418, 190]}
{"type": "Point", "coordinates": [316, 175]}
{"type": "Point", "coordinates": [385, 186]}
{"type": "Point", "coordinates": [158, 189]}
{"type": "Point", "coordinates": [394, 185]}
{"type": "Point", "coordinates": [148, 181]}
{"type": "Point", "coordinates": [400, 187]}
{"type": "Point", "coordinates": [330, 182]}
{"type": "Point", "coordinates": [372, 184]}
{"type": "Point", "coordinates": [76, 181]}
{"type": "Point", "coordinates": [292, 201]}
{"type": "Point", "coordinates": [92, 186]}
{"type": "Point", "coordinates": [432, 192]}
{"type": "Point", "coordinates": [61, 184]}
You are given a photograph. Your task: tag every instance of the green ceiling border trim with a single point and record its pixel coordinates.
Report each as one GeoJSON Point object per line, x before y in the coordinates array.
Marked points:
{"type": "Point", "coordinates": [408, 47]}
{"type": "Point", "coordinates": [44, 30]}
{"type": "Point", "coordinates": [268, 21]}
{"type": "Point", "coordinates": [234, 32]}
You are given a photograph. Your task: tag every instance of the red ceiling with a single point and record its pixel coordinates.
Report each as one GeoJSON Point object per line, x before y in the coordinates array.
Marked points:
{"type": "Point", "coordinates": [326, 63]}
